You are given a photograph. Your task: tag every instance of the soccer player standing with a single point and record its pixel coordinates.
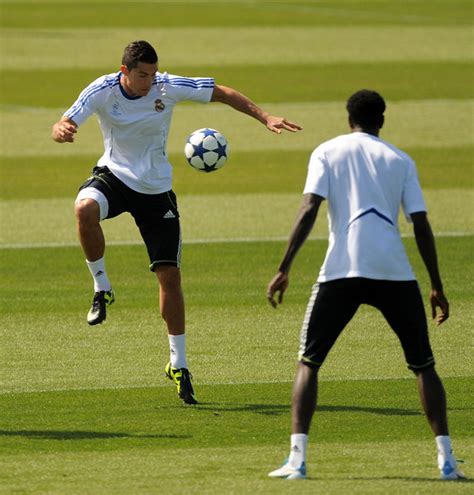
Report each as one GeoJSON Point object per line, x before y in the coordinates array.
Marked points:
{"type": "Point", "coordinates": [365, 181]}
{"type": "Point", "coordinates": [134, 107]}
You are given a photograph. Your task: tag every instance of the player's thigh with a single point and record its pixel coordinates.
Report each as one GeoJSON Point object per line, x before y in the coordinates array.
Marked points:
{"type": "Point", "coordinates": [401, 304]}
{"type": "Point", "coordinates": [157, 218]}
{"type": "Point", "coordinates": [104, 189]}
{"type": "Point", "coordinates": [331, 306]}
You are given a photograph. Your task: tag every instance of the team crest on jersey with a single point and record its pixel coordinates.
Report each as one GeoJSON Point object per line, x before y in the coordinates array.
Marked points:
{"type": "Point", "coordinates": [159, 105]}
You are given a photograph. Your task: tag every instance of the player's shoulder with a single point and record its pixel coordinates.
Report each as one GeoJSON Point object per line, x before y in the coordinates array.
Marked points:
{"type": "Point", "coordinates": [396, 151]}
{"type": "Point", "coordinates": [333, 143]}
{"type": "Point", "coordinates": [176, 81]}
{"type": "Point", "coordinates": [104, 82]}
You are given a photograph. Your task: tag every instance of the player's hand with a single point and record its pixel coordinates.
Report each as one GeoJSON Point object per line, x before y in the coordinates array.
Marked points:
{"type": "Point", "coordinates": [438, 300]}
{"type": "Point", "coordinates": [276, 124]}
{"type": "Point", "coordinates": [63, 132]}
{"type": "Point", "coordinates": [278, 284]}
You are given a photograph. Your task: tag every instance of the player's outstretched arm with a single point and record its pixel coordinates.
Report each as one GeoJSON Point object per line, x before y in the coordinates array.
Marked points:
{"type": "Point", "coordinates": [427, 248]}
{"type": "Point", "coordinates": [301, 229]}
{"type": "Point", "coordinates": [240, 102]}
{"type": "Point", "coordinates": [63, 131]}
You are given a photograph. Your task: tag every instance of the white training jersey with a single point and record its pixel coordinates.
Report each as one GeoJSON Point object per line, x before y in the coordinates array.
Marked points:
{"type": "Point", "coordinates": [135, 129]}
{"type": "Point", "coordinates": [365, 180]}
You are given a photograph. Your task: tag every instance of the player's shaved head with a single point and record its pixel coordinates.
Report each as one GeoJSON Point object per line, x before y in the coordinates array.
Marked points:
{"type": "Point", "coordinates": [139, 51]}
{"type": "Point", "coordinates": [366, 108]}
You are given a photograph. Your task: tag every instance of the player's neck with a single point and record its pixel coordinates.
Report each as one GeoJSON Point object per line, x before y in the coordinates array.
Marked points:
{"type": "Point", "coordinates": [367, 130]}
{"type": "Point", "coordinates": [126, 88]}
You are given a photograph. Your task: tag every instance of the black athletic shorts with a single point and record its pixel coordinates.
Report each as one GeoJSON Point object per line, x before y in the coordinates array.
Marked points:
{"type": "Point", "coordinates": [333, 304]}
{"type": "Point", "coordinates": [156, 215]}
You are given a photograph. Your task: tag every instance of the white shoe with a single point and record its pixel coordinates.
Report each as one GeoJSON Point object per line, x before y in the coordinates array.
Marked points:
{"type": "Point", "coordinates": [450, 471]}
{"type": "Point", "coordinates": [289, 473]}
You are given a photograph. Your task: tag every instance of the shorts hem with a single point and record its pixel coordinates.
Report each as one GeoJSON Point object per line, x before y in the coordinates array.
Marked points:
{"type": "Point", "coordinates": [308, 362]}
{"type": "Point", "coordinates": [415, 368]}
{"type": "Point", "coordinates": [156, 264]}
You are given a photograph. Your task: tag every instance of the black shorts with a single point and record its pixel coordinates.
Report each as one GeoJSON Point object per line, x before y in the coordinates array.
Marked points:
{"type": "Point", "coordinates": [333, 304]}
{"type": "Point", "coordinates": [156, 215]}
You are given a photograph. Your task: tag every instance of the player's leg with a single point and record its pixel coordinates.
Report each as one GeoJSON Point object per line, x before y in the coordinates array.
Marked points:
{"type": "Point", "coordinates": [157, 218]}
{"type": "Point", "coordinates": [433, 399]}
{"type": "Point", "coordinates": [402, 306]}
{"type": "Point", "coordinates": [331, 306]}
{"type": "Point", "coordinates": [100, 197]}
{"type": "Point", "coordinates": [91, 207]}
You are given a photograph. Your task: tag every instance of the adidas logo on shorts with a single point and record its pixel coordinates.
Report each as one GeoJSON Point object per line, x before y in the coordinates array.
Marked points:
{"type": "Point", "coordinates": [169, 214]}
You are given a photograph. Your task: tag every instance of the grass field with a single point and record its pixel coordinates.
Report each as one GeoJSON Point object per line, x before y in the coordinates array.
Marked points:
{"type": "Point", "coordinates": [87, 410]}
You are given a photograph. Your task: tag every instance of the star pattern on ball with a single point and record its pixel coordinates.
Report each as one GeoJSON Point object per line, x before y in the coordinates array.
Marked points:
{"type": "Point", "coordinates": [199, 150]}
{"type": "Point", "coordinates": [221, 149]}
{"type": "Point", "coordinates": [206, 150]}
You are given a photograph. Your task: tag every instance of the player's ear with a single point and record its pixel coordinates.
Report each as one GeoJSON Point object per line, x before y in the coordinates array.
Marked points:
{"type": "Point", "coordinates": [382, 120]}
{"type": "Point", "coordinates": [124, 70]}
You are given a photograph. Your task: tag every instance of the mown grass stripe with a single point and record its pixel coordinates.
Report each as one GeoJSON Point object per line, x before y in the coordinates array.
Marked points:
{"type": "Point", "coordinates": [415, 123]}
{"type": "Point", "coordinates": [51, 13]}
{"type": "Point", "coordinates": [255, 46]}
{"type": "Point", "coordinates": [316, 82]}
{"type": "Point", "coordinates": [247, 172]}
{"type": "Point", "coordinates": [51, 245]}
{"type": "Point", "coordinates": [212, 216]}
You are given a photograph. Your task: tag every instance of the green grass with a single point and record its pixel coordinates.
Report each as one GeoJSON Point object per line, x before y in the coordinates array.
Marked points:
{"type": "Point", "coordinates": [97, 48]}
{"type": "Point", "coordinates": [247, 172]}
{"type": "Point", "coordinates": [87, 410]}
{"type": "Point", "coordinates": [316, 82]}
{"type": "Point", "coordinates": [26, 14]}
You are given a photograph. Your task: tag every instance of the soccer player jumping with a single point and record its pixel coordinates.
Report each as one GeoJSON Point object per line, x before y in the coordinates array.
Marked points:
{"type": "Point", "coordinates": [365, 181]}
{"type": "Point", "coordinates": [134, 107]}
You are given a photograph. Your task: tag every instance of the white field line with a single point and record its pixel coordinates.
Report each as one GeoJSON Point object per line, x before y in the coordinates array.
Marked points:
{"type": "Point", "coordinates": [164, 384]}
{"type": "Point", "coordinates": [34, 245]}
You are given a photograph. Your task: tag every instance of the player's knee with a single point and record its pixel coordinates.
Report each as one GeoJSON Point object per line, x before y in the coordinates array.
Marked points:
{"type": "Point", "coordinates": [87, 211]}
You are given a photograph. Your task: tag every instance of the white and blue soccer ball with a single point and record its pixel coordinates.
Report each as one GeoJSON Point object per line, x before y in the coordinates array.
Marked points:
{"type": "Point", "coordinates": [206, 150]}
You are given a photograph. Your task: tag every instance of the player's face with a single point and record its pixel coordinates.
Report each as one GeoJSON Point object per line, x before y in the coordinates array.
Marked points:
{"type": "Point", "coordinates": [138, 81]}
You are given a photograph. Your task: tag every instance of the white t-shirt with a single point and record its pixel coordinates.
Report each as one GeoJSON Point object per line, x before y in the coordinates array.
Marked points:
{"type": "Point", "coordinates": [135, 129]}
{"type": "Point", "coordinates": [365, 180]}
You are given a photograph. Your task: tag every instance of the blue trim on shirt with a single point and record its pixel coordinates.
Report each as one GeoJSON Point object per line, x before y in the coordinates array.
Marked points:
{"type": "Point", "coordinates": [77, 107]}
{"type": "Point", "coordinates": [196, 83]}
{"type": "Point", "coordinates": [375, 212]}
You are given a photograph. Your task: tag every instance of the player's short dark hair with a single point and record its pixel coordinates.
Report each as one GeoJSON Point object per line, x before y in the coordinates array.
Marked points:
{"type": "Point", "coordinates": [139, 51]}
{"type": "Point", "coordinates": [366, 108]}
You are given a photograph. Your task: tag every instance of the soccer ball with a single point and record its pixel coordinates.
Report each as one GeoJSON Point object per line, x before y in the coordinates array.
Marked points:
{"type": "Point", "coordinates": [206, 150]}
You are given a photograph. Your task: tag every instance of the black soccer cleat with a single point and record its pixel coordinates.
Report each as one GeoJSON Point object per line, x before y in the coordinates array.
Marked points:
{"type": "Point", "coordinates": [182, 379]}
{"type": "Point", "coordinates": [98, 313]}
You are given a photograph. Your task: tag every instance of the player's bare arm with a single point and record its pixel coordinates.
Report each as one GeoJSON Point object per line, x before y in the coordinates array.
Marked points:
{"type": "Point", "coordinates": [63, 131]}
{"type": "Point", "coordinates": [427, 248]}
{"type": "Point", "coordinates": [301, 229]}
{"type": "Point", "coordinates": [240, 102]}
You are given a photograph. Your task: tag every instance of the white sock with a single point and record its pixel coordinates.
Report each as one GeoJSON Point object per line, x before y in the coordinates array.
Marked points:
{"type": "Point", "coordinates": [97, 269]}
{"type": "Point", "coordinates": [178, 351]}
{"type": "Point", "coordinates": [299, 442]}
{"type": "Point", "coordinates": [445, 451]}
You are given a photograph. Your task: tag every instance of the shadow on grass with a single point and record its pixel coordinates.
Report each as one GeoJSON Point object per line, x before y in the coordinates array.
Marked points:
{"type": "Point", "coordinates": [408, 479]}
{"type": "Point", "coordinates": [276, 409]}
{"type": "Point", "coordinates": [81, 435]}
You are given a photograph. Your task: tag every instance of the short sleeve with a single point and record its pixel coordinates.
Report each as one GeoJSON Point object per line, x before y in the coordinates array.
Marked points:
{"type": "Point", "coordinates": [197, 89]}
{"type": "Point", "coordinates": [412, 196]}
{"type": "Point", "coordinates": [317, 180]}
{"type": "Point", "coordinates": [85, 105]}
